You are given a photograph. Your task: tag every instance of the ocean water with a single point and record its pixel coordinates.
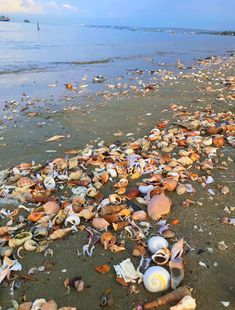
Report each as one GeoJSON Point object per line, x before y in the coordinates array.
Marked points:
{"type": "Point", "coordinates": [30, 58]}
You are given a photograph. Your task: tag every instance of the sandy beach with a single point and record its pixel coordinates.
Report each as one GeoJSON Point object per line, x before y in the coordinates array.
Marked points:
{"type": "Point", "coordinates": [119, 119]}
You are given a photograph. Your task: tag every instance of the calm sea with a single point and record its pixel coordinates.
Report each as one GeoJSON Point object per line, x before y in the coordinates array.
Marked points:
{"type": "Point", "coordinates": [67, 53]}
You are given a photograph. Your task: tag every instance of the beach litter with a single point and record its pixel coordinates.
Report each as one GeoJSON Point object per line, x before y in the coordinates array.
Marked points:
{"type": "Point", "coordinates": [65, 196]}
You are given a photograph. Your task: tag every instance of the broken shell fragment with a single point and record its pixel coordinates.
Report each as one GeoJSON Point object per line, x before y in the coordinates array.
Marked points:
{"type": "Point", "coordinates": [159, 206]}
{"type": "Point", "coordinates": [100, 223]}
{"type": "Point", "coordinates": [25, 182]}
{"type": "Point", "coordinates": [156, 279]}
{"type": "Point", "coordinates": [72, 219]}
{"type": "Point", "coordinates": [169, 184]}
{"type": "Point", "coordinates": [156, 243]}
{"type": "Point", "coordinates": [187, 303]}
{"type": "Point", "coordinates": [115, 199]}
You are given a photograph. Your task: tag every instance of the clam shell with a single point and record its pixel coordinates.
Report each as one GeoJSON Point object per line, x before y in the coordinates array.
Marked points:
{"type": "Point", "coordinates": [51, 207]}
{"type": "Point", "coordinates": [156, 243]}
{"type": "Point", "coordinates": [138, 250]}
{"type": "Point", "coordinates": [156, 279]}
{"type": "Point", "coordinates": [159, 206]}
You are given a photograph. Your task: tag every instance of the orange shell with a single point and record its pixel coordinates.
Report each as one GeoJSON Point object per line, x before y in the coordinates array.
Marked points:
{"type": "Point", "coordinates": [120, 225]}
{"type": "Point", "coordinates": [219, 141]}
{"type": "Point", "coordinates": [139, 250]}
{"type": "Point", "coordinates": [159, 206]}
{"type": "Point", "coordinates": [139, 216]}
{"type": "Point", "coordinates": [169, 184]}
{"type": "Point", "coordinates": [103, 268]}
{"type": "Point", "coordinates": [35, 216]}
{"type": "Point", "coordinates": [111, 209]}
{"type": "Point", "coordinates": [51, 207]}
{"type": "Point", "coordinates": [132, 193]}
{"type": "Point", "coordinates": [104, 177]}
{"type": "Point", "coordinates": [107, 239]}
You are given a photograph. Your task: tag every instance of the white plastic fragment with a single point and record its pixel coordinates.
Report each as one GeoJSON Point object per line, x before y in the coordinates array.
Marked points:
{"type": "Point", "coordinates": [126, 270]}
{"type": "Point", "coordinates": [225, 303]}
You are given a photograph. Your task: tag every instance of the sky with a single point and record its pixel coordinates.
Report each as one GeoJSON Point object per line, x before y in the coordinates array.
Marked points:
{"type": "Point", "coordinates": [203, 14]}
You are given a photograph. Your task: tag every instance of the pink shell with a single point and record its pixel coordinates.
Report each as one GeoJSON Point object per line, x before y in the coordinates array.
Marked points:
{"type": "Point", "coordinates": [100, 223]}
{"type": "Point", "coordinates": [51, 207]}
{"type": "Point", "coordinates": [159, 206]}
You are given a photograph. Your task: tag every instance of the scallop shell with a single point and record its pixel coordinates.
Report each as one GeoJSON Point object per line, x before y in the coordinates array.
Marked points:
{"type": "Point", "coordinates": [156, 243]}
{"type": "Point", "coordinates": [162, 256]}
{"type": "Point", "coordinates": [156, 279]}
{"type": "Point", "coordinates": [51, 207]}
{"type": "Point", "coordinates": [159, 206]}
{"type": "Point", "coordinates": [100, 223]}
{"type": "Point", "coordinates": [73, 220]}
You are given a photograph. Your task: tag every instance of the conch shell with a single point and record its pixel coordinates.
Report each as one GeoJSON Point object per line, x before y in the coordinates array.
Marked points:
{"type": "Point", "coordinates": [159, 206]}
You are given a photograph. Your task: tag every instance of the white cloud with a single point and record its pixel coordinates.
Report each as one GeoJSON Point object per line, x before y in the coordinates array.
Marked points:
{"type": "Point", "coordinates": [69, 7]}
{"type": "Point", "coordinates": [19, 6]}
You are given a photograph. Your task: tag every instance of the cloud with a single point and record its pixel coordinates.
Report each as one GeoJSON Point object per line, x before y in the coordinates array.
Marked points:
{"type": "Point", "coordinates": [20, 6]}
{"type": "Point", "coordinates": [68, 6]}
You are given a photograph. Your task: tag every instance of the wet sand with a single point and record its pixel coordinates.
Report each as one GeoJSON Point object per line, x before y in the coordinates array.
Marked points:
{"type": "Point", "coordinates": [199, 225]}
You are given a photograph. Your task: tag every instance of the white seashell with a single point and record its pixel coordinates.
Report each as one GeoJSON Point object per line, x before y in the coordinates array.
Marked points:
{"type": "Point", "coordinates": [79, 190]}
{"type": "Point", "coordinates": [112, 172]}
{"type": "Point", "coordinates": [91, 192]}
{"type": "Point", "coordinates": [72, 219]}
{"type": "Point", "coordinates": [156, 243]}
{"type": "Point", "coordinates": [186, 303]}
{"type": "Point", "coordinates": [162, 256]}
{"type": "Point", "coordinates": [49, 182]}
{"type": "Point", "coordinates": [156, 279]}
{"type": "Point", "coordinates": [144, 189]}
{"type": "Point", "coordinates": [38, 303]}
{"type": "Point", "coordinates": [207, 141]}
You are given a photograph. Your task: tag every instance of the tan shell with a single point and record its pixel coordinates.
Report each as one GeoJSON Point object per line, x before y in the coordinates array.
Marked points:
{"type": "Point", "coordinates": [139, 250]}
{"type": "Point", "coordinates": [86, 214]}
{"type": "Point", "coordinates": [51, 207]}
{"type": "Point", "coordinates": [123, 182]}
{"type": "Point", "coordinates": [139, 216]}
{"type": "Point", "coordinates": [25, 182]}
{"type": "Point", "coordinates": [100, 223]}
{"type": "Point", "coordinates": [76, 175]}
{"type": "Point", "coordinates": [50, 305]}
{"type": "Point", "coordinates": [159, 206]}
{"type": "Point", "coordinates": [162, 256]}
{"type": "Point", "coordinates": [185, 161]}
{"type": "Point", "coordinates": [169, 184]}
{"type": "Point", "coordinates": [181, 189]}
{"type": "Point", "coordinates": [25, 306]}
{"type": "Point", "coordinates": [115, 199]}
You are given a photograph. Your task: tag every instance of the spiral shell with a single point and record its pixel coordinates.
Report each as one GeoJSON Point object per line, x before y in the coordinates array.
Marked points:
{"type": "Point", "coordinates": [156, 243]}
{"type": "Point", "coordinates": [156, 279]}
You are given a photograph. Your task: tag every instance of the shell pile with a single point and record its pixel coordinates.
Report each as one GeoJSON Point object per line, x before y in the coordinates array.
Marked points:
{"type": "Point", "coordinates": [56, 199]}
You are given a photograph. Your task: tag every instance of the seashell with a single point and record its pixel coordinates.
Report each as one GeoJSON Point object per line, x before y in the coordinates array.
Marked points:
{"type": "Point", "coordinates": [123, 182]}
{"type": "Point", "coordinates": [104, 177]}
{"type": "Point", "coordinates": [120, 225]}
{"type": "Point", "coordinates": [186, 303]}
{"type": "Point", "coordinates": [139, 250]}
{"type": "Point", "coordinates": [162, 256]}
{"type": "Point", "coordinates": [107, 239]}
{"type": "Point", "coordinates": [121, 190]}
{"type": "Point", "coordinates": [110, 209]}
{"type": "Point", "coordinates": [60, 217]}
{"type": "Point", "coordinates": [133, 193]}
{"type": "Point", "coordinates": [112, 172]}
{"type": "Point", "coordinates": [98, 185]}
{"type": "Point", "coordinates": [49, 182]}
{"type": "Point", "coordinates": [25, 306]}
{"type": "Point", "coordinates": [224, 190]}
{"type": "Point", "coordinates": [181, 189]}
{"type": "Point", "coordinates": [176, 271]}
{"type": "Point", "coordinates": [76, 175]}
{"type": "Point", "coordinates": [100, 223]}
{"type": "Point", "coordinates": [85, 181]}
{"type": "Point", "coordinates": [112, 218]}
{"type": "Point", "coordinates": [30, 245]}
{"type": "Point", "coordinates": [73, 163]}
{"type": "Point", "coordinates": [183, 153]}
{"type": "Point", "coordinates": [25, 182]}
{"type": "Point", "coordinates": [50, 305]}
{"type": "Point", "coordinates": [144, 189]}
{"type": "Point", "coordinates": [139, 216]}
{"type": "Point", "coordinates": [60, 233]}
{"type": "Point", "coordinates": [169, 184]}
{"type": "Point", "coordinates": [73, 220]}
{"type": "Point", "coordinates": [219, 141]}
{"type": "Point", "coordinates": [156, 243]}
{"type": "Point", "coordinates": [173, 163]}
{"type": "Point", "coordinates": [19, 239]}
{"type": "Point", "coordinates": [156, 279]}
{"type": "Point", "coordinates": [177, 249]}
{"type": "Point", "coordinates": [38, 303]}
{"type": "Point", "coordinates": [6, 251]}
{"type": "Point", "coordinates": [168, 234]}
{"type": "Point", "coordinates": [115, 199]}
{"type": "Point", "coordinates": [185, 161]}
{"type": "Point", "coordinates": [159, 206]}
{"type": "Point", "coordinates": [40, 233]}
{"type": "Point", "coordinates": [213, 130]}
{"type": "Point", "coordinates": [35, 216]}
{"type": "Point", "coordinates": [91, 192]}
{"type": "Point", "coordinates": [86, 214]}
{"type": "Point", "coordinates": [195, 157]}
{"type": "Point", "coordinates": [207, 141]}
{"type": "Point", "coordinates": [51, 207]}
